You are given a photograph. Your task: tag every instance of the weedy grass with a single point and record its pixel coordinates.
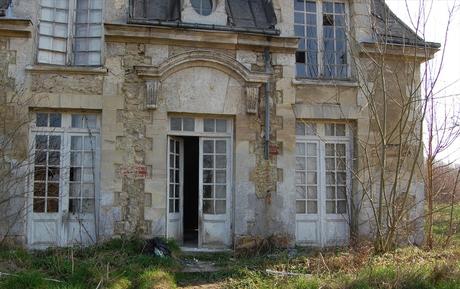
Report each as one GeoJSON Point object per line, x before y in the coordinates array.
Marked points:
{"type": "Point", "coordinates": [123, 264]}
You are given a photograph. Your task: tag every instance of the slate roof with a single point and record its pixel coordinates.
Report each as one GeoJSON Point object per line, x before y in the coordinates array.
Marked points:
{"type": "Point", "coordinates": [242, 14]}
{"type": "Point", "coordinates": [388, 27]}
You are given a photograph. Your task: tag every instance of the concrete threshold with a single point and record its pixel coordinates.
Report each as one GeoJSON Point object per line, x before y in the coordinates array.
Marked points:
{"type": "Point", "coordinates": [204, 250]}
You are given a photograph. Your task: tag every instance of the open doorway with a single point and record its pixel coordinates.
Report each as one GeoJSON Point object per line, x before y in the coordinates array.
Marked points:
{"type": "Point", "coordinates": [191, 190]}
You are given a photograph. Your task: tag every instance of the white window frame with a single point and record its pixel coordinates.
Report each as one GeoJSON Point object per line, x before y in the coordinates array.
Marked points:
{"type": "Point", "coordinates": [321, 138]}
{"type": "Point", "coordinates": [320, 41]}
{"type": "Point", "coordinates": [70, 50]}
{"type": "Point", "coordinates": [66, 132]}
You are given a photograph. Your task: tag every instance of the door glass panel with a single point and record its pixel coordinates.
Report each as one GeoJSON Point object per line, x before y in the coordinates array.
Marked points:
{"type": "Point", "coordinates": [306, 178]}
{"type": "Point", "coordinates": [47, 171]}
{"type": "Point", "coordinates": [336, 178]}
{"type": "Point", "coordinates": [174, 176]}
{"type": "Point", "coordinates": [214, 176]}
{"type": "Point", "coordinates": [82, 173]}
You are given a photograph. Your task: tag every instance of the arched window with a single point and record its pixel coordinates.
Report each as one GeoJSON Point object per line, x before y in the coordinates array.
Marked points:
{"type": "Point", "coordinates": [202, 7]}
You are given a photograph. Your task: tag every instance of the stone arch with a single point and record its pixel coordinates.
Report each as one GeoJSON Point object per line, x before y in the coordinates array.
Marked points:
{"type": "Point", "coordinates": [203, 59]}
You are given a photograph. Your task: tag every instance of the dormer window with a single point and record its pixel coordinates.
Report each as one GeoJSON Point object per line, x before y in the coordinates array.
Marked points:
{"type": "Point", "coordinates": [202, 7]}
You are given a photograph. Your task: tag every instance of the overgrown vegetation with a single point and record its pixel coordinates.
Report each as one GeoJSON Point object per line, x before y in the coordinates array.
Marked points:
{"type": "Point", "coordinates": [123, 264]}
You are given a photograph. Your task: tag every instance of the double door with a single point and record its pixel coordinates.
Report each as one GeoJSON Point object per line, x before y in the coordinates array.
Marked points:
{"type": "Point", "coordinates": [214, 191]}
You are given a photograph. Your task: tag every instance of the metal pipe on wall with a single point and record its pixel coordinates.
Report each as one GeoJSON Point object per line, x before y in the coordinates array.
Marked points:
{"type": "Point", "coordinates": [267, 104]}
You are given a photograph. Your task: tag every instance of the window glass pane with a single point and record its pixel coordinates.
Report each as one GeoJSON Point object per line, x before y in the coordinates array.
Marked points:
{"type": "Point", "coordinates": [209, 125]}
{"type": "Point", "coordinates": [189, 124]}
{"type": "Point", "coordinates": [54, 142]}
{"type": "Point", "coordinates": [299, 5]}
{"type": "Point", "coordinates": [176, 123]}
{"type": "Point", "coordinates": [330, 207]}
{"type": "Point", "coordinates": [300, 192]}
{"type": "Point", "coordinates": [221, 146]}
{"type": "Point", "coordinates": [221, 125]}
{"type": "Point", "coordinates": [39, 189]}
{"type": "Point", "coordinates": [300, 149]}
{"type": "Point", "coordinates": [52, 205]}
{"type": "Point", "coordinates": [55, 120]}
{"type": "Point", "coordinates": [53, 189]}
{"type": "Point", "coordinates": [300, 207]}
{"type": "Point", "coordinates": [221, 161]}
{"type": "Point", "coordinates": [45, 42]}
{"type": "Point", "coordinates": [312, 192]}
{"type": "Point", "coordinates": [221, 191]}
{"type": "Point", "coordinates": [300, 163]}
{"type": "Point", "coordinates": [341, 207]}
{"type": "Point", "coordinates": [340, 129]}
{"type": "Point", "coordinates": [312, 207]}
{"type": "Point", "coordinates": [220, 207]}
{"type": "Point", "coordinates": [299, 18]}
{"type": "Point", "coordinates": [63, 4]}
{"type": "Point", "coordinates": [208, 161]}
{"type": "Point", "coordinates": [300, 128]}
{"type": "Point", "coordinates": [39, 205]}
{"type": "Point", "coordinates": [42, 119]}
{"type": "Point", "coordinates": [311, 6]}
{"type": "Point", "coordinates": [207, 192]}
{"type": "Point", "coordinates": [208, 207]}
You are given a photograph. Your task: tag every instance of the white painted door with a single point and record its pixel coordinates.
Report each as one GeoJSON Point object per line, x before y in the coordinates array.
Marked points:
{"type": "Point", "coordinates": [322, 184]}
{"type": "Point", "coordinates": [79, 211]}
{"type": "Point", "coordinates": [308, 217]}
{"type": "Point", "coordinates": [175, 181]}
{"type": "Point", "coordinates": [64, 180]}
{"type": "Point", "coordinates": [215, 192]}
{"type": "Point", "coordinates": [45, 215]}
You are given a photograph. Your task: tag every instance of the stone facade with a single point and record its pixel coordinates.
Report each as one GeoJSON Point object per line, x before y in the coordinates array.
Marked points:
{"type": "Point", "coordinates": [197, 72]}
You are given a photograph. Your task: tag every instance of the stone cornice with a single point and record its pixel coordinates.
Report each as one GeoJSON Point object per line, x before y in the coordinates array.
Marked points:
{"type": "Point", "coordinates": [409, 52]}
{"type": "Point", "coordinates": [14, 27]}
{"type": "Point", "coordinates": [198, 38]}
{"type": "Point", "coordinates": [54, 69]}
{"type": "Point", "coordinates": [324, 82]}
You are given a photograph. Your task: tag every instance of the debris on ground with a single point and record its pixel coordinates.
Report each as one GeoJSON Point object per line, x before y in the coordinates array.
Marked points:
{"type": "Point", "coordinates": [157, 247]}
{"type": "Point", "coordinates": [197, 266]}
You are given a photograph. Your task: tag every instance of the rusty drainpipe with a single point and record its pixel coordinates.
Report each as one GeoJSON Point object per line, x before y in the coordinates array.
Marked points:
{"type": "Point", "coordinates": [267, 104]}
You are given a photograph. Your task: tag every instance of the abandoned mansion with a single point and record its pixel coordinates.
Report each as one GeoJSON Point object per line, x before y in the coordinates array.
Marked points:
{"type": "Point", "coordinates": [211, 122]}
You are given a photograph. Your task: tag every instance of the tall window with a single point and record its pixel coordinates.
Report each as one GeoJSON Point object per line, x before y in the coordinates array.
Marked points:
{"type": "Point", "coordinates": [323, 169]}
{"type": "Point", "coordinates": [70, 32]}
{"type": "Point", "coordinates": [321, 27]}
{"type": "Point", "coordinates": [65, 158]}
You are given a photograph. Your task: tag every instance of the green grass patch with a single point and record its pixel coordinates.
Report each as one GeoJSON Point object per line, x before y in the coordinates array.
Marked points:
{"type": "Point", "coordinates": [123, 264]}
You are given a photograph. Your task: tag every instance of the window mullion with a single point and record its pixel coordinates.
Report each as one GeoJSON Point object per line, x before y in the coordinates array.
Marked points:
{"type": "Point", "coordinates": [70, 29]}
{"type": "Point", "coordinates": [320, 38]}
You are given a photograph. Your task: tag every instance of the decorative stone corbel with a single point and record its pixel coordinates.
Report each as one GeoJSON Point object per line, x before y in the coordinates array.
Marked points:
{"type": "Point", "coordinates": [152, 92]}
{"type": "Point", "coordinates": [252, 97]}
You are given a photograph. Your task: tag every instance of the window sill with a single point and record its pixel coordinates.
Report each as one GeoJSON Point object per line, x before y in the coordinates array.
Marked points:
{"type": "Point", "coordinates": [324, 82]}
{"type": "Point", "coordinates": [43, 68]}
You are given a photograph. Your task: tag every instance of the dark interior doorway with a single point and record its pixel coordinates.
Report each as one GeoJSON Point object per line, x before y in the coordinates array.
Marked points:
{"type": "Point", "coordinates": [191, 195]}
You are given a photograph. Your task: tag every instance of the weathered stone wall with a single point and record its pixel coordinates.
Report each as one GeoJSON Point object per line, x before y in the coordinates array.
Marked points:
{"type": "Point", "coordinates": [132, 197]}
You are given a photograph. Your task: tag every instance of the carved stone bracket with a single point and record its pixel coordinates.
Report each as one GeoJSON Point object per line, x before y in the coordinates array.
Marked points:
{"type": "Point", "coordinates": [152, 87]}
{"type": "Point", "coordinates": [252, 97]}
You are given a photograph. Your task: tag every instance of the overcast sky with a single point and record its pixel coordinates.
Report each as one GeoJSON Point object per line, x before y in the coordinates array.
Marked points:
{"type": "Point", "coordinates": [435, 31]}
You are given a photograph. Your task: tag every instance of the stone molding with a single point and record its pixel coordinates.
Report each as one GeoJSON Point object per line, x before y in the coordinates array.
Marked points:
{"type": "Point", "coordinates": [202, 58]}
{"type": "Point", "coordinates": [17, 28]}
{"type": "Point", "coordinates": [153, 88]}
{"type": "Point", "coordinates": [145, 33]}
{"type": "Point", "coordinates": [407, 52]}
{"type": "Point", "coordinates": [252, 97]}
{"type": "Point", "coordinates": [325, 82]}
{"type": "Point", "coordinates": [54, 69]}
